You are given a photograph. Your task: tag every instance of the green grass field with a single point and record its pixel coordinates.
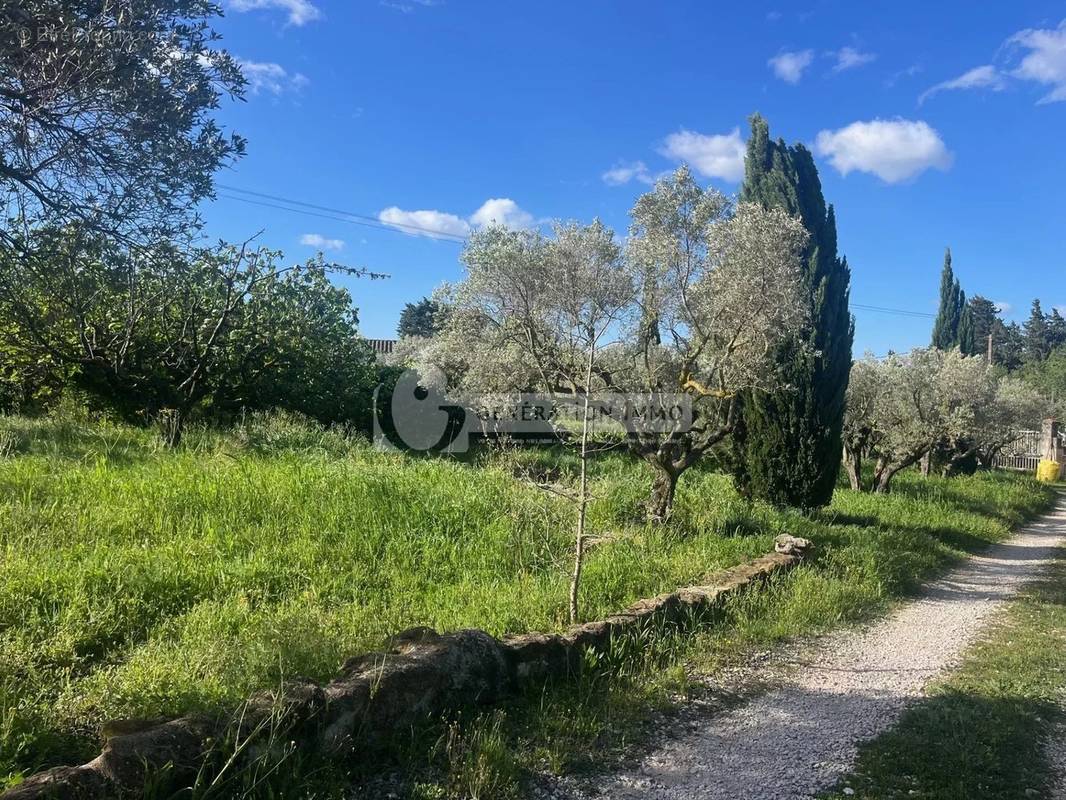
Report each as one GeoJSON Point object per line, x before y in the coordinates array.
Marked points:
{"type": "Point", "coordinates": [137, 582]}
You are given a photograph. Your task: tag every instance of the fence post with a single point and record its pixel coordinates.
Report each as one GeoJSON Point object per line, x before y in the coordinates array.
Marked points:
{"type": "Point", "coordinates": [1051, 444]}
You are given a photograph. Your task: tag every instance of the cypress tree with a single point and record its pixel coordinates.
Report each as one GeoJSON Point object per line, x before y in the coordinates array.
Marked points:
{"type": "Point", "coordinates": [949, 315]}
{"type": "Point", "coordinates": [967, 338]}
{"type": "Point", "coordinates": [787, 447]}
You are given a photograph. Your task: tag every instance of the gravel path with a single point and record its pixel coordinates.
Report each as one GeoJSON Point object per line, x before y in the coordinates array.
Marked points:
{"type": "Point", "coordinates": [799, 738]}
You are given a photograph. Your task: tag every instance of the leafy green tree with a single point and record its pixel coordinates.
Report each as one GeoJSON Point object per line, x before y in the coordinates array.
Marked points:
{"type": "Point", "coordinates": [166, 334]}
{"type": "Point", "coordinates": [787, 446]}
{"type": "Point", "coordinates": [1008, 345]}
{"type": "Point", "coordinates": [949, 314]}
{"type": "Point", "coordinates": [1037, 335]}
{"type": "Point", "coordinates": [424, 318]}
{"type": "Point", "coordinates": [106, 113]}
{"type": "Point", "coordinates": [29, 381]}
{"type": "Point", "coordinates": [297, 347]}
{"type": "Point", "coordinates": [1049, 376]}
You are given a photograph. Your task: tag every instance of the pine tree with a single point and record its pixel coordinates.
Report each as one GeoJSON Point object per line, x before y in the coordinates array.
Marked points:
{"type": "Point", "coordinates": [1037, 336]}
{"type": "Point", "coordinates": [984, 316]}
{"type": "Point", "coordinates": [949, 315]}
{"type": "Point", "coordinates": [787, 447]}
{"type": "Point", "coordinates": [1056, 328]}
{"type": "Point", "coordinates": [1008, 345]}
{"type": "Point", "coordinates": [423, 318]}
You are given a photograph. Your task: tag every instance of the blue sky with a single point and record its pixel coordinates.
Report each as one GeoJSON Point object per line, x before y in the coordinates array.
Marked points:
{"type": "Point", "coordinates": [933, 124]}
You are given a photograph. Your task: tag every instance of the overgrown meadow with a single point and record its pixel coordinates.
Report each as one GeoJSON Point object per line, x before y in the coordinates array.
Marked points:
{"type": "Point", "coordinates": [140, 582]}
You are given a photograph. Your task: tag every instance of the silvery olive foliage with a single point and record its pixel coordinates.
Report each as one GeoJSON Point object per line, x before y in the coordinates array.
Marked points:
{"type": "Point", "coordinates": [719, 287]}
{"type": "Point", "coordinates": [1014, 406]}
{"type": "Point", "coordinates": [693, 304]}
{"type": "Point", "coordinates": [899, 408]}
{"type": "Point", "coordinates": [539, 313]}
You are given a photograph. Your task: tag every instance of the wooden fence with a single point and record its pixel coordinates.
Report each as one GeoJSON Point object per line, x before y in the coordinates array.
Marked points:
{"type": "Point", "coordinates": [1025, 452]}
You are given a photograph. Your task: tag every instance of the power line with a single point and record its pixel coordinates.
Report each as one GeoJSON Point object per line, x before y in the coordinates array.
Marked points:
{"type": "Point", "coordinates": [338, 214]}
{"type": "Point", "coordinates": [897, 311]}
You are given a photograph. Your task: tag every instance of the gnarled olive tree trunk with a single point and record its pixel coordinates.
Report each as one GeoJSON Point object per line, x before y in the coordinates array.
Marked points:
{"type": "Point", "coordinates": [663, 489]}
{"type": "Point", "coordinates": [853, 466]}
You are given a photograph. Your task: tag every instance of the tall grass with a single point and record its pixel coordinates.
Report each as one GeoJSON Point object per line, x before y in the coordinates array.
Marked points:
{"type": "Point", "coordinates": [137, 582]}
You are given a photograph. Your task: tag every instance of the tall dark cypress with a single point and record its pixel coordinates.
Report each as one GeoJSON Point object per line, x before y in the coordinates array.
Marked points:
{"type": "Point", "coordinates": [967, 334]}
{"type": "Point", "coordinates": [787, 448]}
{"type": "Point", "coordinates": [949, 314]}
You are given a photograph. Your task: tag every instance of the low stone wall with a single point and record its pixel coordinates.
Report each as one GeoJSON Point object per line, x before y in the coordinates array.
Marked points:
{"type": "Point", "coordinates": [419, 676]}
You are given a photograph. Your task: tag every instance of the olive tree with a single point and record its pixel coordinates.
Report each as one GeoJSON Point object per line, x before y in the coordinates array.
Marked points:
{"type": "Point", "coordinates": [540, 313]}
{"type": "Point", "coordinates": [1013, 407]}
{"type": "Point", "coordinates": [719, 286]}
{"type": "Point", "coordinates": [694, 307]}
{"type": "Point", "coordinates": [900, 407]}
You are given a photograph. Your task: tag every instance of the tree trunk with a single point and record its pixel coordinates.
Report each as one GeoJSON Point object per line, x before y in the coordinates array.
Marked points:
{"type": "Point", "coordinates": [884, 480]}
{"type": "Point", "coordinates": [883, 472]}
{"type": "Point", "coordinates": [171, 422]}
{"type": "Point", "coordinates": [853, 466]}
{"type": "Point", "coordinates": [954, 465]}
{"type": "Point", "coordinates": [583, 496]}
{"type": "Point", "coordinates": [927, 464]}
{"type": "Point", "coordinates": [661, 502]}
{"type": "Point", "coordinates": [986, 458]}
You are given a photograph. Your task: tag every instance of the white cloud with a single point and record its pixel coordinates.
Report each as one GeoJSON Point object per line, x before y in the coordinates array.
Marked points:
{"type": "Point", "coordinates": [320, 242]}
{"type": "Point", "coordinates": [434, 224]}
{"type": "Point", "coordinates": [502, 211]}
{"type": "Point", "coordinates": [300, 11]}
{"type": "Point", "coordinates": [263, 76]}
{"type": "Point", "coordinates": [623, 172]}
{"type": "Point", "coordinates": [1003, 306]}
{"type": "Point", "coordinates": [715, 156]}
{"type": "Point", "coordinates": [893, 150]}
{"type": "Point", "coordinates": [983, 77]}
{"type": "Point", "coordinates": [442, 225]}
{"type": "Point", "coordinates": [1045, 62]}
{"type": "Point", "coordinates": [789, 67]}
{"type": "Point", "coordinates": [850, 57]}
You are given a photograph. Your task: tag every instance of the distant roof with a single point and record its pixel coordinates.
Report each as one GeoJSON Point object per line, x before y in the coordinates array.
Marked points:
{"type": "Point", "coordinates": [382, 347]}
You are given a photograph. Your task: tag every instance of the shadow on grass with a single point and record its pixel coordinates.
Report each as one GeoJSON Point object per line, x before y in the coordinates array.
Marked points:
{"type": "Point", "coordinates": [959, 746]}
{"type": "Point", "coordinates": [984, 732]}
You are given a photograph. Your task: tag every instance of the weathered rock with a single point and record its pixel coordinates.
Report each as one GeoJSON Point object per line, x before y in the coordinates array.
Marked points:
{"type": "Point", "coordinates": [120, 770]}
{"type": "Point", "coordinates": [536, 656]}
{"type": "Point", "coordinates": [792, 545]}
{"type": "Point", "coordinates": [423, 677]}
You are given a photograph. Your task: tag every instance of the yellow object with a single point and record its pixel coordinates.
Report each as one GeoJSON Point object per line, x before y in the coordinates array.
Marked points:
{"type": "Point", "coordinates": [687, 382]}
{"type": "Point", "coordinates": [1048, 471]}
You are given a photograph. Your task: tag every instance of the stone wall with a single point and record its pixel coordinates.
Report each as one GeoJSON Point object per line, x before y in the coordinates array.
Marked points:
{"type": "Point", "coordinates": [420, 675]}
